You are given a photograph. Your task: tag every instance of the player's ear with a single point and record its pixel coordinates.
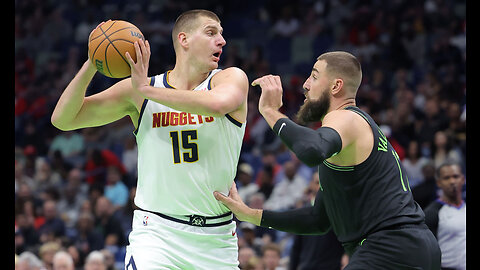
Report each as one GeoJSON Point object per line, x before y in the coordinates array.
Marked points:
{"type": "Point", "coordinates": [337, 86]}
{"type": "Point", "coordinates": [182, 39]}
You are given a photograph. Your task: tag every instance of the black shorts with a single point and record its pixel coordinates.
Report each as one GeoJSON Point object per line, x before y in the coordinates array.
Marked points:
{"type": "Point", "coordinates": [402, 247]}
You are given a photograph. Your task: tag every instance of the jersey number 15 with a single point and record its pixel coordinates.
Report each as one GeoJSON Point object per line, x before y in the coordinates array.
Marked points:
{"type": "Point", "coordinates": [190, 149]}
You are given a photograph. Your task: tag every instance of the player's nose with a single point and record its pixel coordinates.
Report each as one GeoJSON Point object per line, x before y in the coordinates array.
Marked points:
{"type": "Point", "coordinates": [221, 41]}
{"type": "Point", "coordinates": [306, 86]}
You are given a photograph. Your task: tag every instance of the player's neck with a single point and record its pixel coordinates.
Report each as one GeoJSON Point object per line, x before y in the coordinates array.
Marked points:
{"type": "Point", "coordinates": [341, 104]}
{"type": "Point", "coordinates": [185, 76]}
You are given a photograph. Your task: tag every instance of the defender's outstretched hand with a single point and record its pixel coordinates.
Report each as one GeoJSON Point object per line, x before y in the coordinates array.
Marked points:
{"type": "Point", "coordinates": [271, 97]}
{"type": "Point", "coordinates": [238, 207]}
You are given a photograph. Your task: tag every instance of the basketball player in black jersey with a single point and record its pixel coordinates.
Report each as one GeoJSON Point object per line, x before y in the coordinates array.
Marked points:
{"type": "Point", "coordinates": [364, 194]}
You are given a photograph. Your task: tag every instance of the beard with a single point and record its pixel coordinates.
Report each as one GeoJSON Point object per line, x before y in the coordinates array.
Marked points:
{"type": "Point", "coordinates": [314, 110]}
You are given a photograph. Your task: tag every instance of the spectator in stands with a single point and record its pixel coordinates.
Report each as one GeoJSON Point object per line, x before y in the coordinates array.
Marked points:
{"type": "Point", "coordinates": [22, 179]}
{"type": "Point", "coordinates": [47, 252]}
{"type": "Point", "coordinates": [26, 231]}
{"type": "Point", "coordinates": [249, 236]}
{"type": "Point", "coordinates": [433, 121]}
{"type": "Point", "coordinates": [244, 255]}
{"type": "Point", "coordinates": [54, 227]}
{"type": "Point", "coordinates": [271, 255]}
{"type": "Point", "coordinates": [86, 238]}
{"type": "Point", "coordinates": [129, 157]}
{"type": "Point", "coordinates": [287, 25]}
{"type": "Point", "coordinates": [115, 190]}
{"type": "Point", "coordinates": [95, 261]}
{"type": "Point", "coordinates": [69, 206]}
{"type": "Point", "coordinates": [289, 189]}
{"type": "Point", "coordinates": [443, 149]}
{"type": "Point", "coordinates": [76, 179]}
{"type": "Point", "coordinates": [109, 259]}
{"type": "Point", "coordinates": [29, 261]}
{"type": "Point", "coordinates": [71, 145]}
{"type": "Point", "coordinates": [315, 252]}
{"type": "Point", "coordinates": [245, 184]}
{"type": "Point", "coordinates": [107, 224]}
{"type": "Point", "coordinates": [62, 260]}
{"type": "Point", "coordinates": [75, 254]}
{"type": "Point", "coordinates": [413, 164]}
{"type": "Point", "coordinates": [425, 193]}
{"type": "Point", "coordinates": [98, 162]}
{"type": "Point", "coordinates": [125, 214]}
{"type": "Point", "coordinates": [44, 176]}
{"type": "Point", "coordinates": [60, 165]}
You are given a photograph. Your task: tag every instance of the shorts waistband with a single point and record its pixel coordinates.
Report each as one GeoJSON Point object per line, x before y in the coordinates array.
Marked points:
{"type": "Point", "coordinates": [197, 220]}
{"type": "Point", "coordinates": [350, 247]}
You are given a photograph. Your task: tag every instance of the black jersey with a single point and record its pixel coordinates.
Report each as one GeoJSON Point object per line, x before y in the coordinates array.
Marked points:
{"type": "Point", "coordinates": [370, 196]}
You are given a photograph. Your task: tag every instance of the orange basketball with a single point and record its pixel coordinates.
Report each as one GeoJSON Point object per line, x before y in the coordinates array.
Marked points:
{"type": "Point", "coordinates": [107, 46]}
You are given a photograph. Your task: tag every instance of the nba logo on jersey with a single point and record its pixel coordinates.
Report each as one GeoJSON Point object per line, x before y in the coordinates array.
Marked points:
{"type": "Point", "coordinates": [145, 220]}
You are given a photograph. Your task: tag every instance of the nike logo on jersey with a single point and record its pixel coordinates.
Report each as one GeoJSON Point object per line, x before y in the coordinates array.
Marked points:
{"type": "Point", "coordinates": [165, 119]}
{"type": "Point", "coordinates": [283, 124]}
{"type": "Point", "coordinates": [233, 233]}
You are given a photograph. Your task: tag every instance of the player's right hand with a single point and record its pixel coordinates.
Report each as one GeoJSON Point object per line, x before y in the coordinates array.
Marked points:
{"type": "Point", "coordinates": [140, 68]}
{"type": "Point", "coordinates": [271, 97]}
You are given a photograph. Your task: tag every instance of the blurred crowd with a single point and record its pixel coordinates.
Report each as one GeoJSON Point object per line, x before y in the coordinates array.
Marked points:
{"type": "Point", "coordinates": [74, 190]}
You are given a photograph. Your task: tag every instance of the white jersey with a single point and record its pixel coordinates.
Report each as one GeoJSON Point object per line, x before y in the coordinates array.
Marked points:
{"type": "Point", "coordinates": [183, 157]}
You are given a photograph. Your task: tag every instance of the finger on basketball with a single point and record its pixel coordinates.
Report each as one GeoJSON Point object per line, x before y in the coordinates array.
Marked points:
{"type": "Point", "coordinates": [143, 48]}
{"type": "Point", "coordinates": [129, 59]}
{"type": "Point", "coordinates": [147, 49]}
{"type": "Point", "coordinates": [138, 51]}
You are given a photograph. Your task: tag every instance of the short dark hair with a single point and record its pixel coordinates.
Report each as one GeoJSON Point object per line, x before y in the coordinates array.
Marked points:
{"type": "Point", "coordinates": [185, 22]}
{"type": "Point", "coordinates": [344, 65]}
{"type": "Point", "coordinates": [446, 164]}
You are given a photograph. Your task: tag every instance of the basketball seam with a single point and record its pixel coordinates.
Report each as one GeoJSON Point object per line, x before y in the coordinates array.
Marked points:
{"type": "Point", "coordinates": [119, 52]}
{"type": "Point", "coordinates": [102, 31]}
{"type": "Point", "coordinates": [110, 43]}
{"type": "Point", "coordinates": [106, 62]}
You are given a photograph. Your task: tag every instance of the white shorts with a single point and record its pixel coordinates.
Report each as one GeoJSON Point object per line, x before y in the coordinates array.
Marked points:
{"type": "Point", "coordinates": [159, 243]}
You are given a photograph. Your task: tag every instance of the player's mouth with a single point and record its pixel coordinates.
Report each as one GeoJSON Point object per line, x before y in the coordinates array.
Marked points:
{"type": "Point", "coordinates": [216, 56]}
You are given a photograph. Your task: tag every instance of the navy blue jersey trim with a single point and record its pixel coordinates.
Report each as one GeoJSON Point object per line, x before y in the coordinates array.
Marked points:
{"type": "Point", "coordinates": [209, 87]}
{"type": "Point", "coordinates": [152, 81]}
{"type": "Point", "coordinates": [165, 80]}
{"type": "Point", "coordinates": [141, 113]}
{"type": "Point", "coordinates": [235, 122]}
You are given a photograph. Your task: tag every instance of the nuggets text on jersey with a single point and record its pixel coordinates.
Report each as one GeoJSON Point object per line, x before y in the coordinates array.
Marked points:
{"type": "Point", "coordinates": [165, 119]}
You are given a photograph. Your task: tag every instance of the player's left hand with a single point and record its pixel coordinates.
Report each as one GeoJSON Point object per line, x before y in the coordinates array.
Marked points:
{"type": "Point", "coordinates": [140, 68]}
{"type": "Point", "coordinates": [237, 206]}
{"type": "Point", "coordinates": [271, 97]}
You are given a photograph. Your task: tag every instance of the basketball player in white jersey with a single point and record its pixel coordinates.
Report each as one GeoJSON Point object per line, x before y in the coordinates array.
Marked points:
{"type": "Point", "coordinates": [189, 124]}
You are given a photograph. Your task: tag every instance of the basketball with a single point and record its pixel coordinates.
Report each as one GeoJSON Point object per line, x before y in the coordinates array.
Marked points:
{"type": "Point", "coordinates": [107, 45]}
